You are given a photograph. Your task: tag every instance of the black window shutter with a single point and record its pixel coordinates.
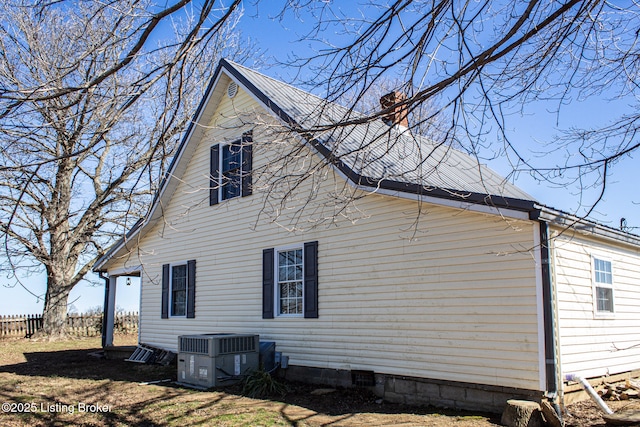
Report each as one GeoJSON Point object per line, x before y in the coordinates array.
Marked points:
{"type": "Point", "coordinates": [191, 289]}
{"type": "Point", "coordinates": [267, 283]}
{"type": "Point", "coordinates": [247, 163]}
{"type": "Point", "coordinates": [214, 172]}
{"type": "Point", "coordinates": [311, 280]}
{"type": "Point", "coordinates": [165, 291]}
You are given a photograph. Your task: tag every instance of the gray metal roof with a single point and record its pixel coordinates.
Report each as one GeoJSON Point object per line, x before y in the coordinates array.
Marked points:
{"type": "Point", "coordinates": [376, 151]}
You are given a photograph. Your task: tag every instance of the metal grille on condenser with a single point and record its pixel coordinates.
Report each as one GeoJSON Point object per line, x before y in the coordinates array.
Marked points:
{"type": "Point", "coordinates": [237, 345]}
{"type": "Point", "coordinates": [194, 345]}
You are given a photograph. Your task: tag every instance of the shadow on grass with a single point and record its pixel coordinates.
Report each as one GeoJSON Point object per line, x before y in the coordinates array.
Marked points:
{"type": "Point", "coordinates": [80, 365]}
{"type": "Point", "coordinates": [49, 378]}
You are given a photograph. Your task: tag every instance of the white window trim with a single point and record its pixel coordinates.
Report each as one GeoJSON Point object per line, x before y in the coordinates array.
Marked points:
{"type": "Point", "coordinates": [594, 285]}
{"type": "Point", "coordinates": [276, 281]}
{"type": "Point", "coordinates": [186, 290]}
{"type": "Point", "coordinates": [221, 173]}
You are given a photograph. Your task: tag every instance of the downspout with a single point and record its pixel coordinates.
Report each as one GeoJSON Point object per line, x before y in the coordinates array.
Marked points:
{"type": "Point", "coordinates": [549, 318]}
{"type": "Point", "coordinates": [105, 307]}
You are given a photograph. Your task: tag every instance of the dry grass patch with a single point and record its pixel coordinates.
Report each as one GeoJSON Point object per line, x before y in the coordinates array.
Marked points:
{"type": "Point", "coordinates": [59, 384]}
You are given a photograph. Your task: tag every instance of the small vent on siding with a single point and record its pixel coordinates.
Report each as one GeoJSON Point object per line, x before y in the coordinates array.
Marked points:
{"type": "Point", "coordinates": [232, 89]}
{"type": "Point", "coordinates": [240, 344]}
{"type": "Point", "coordinates": [194, 345]}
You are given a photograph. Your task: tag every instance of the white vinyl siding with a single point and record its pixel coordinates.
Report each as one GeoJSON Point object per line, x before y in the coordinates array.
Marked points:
{"type": "Point", "coordinates": [424, 291]}
{"type": "Point", "coordinates": [592, 344]}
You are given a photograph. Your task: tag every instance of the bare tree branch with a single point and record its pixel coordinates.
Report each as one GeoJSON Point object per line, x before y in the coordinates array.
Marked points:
{"type": "Point", "coordinates": [90, 116]}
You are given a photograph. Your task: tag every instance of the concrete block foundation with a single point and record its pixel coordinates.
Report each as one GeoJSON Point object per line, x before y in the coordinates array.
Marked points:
{"type": "Point", "coordinates": [419, 391]}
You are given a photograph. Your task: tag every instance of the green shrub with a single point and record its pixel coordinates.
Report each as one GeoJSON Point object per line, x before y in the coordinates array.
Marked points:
{"type": "Point", "coordinates": [262, 384]}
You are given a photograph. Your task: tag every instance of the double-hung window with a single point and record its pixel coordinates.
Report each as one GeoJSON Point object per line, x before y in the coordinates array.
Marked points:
{"type": "Point", "coordinates": [603, 286]}
{"type": "Point", "coordinates": [179, 289]}
{"type": "Point", "coordinates": [230, 169]}
{"type": "Point", "coordinates": [178, 295]}
{"type": "Point", "coordinates": [290, 281]}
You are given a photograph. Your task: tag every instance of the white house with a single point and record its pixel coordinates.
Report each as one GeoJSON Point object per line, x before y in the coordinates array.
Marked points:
{"type": "Point", "coordinates": [436, 279]}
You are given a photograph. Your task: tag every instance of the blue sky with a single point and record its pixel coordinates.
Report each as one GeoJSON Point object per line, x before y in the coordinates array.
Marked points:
{"type": "Point", "coordinates": [535, 131]}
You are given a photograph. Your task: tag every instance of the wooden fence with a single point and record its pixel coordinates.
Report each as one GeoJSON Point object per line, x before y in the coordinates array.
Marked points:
{"type": "Point", "coordinates": [80, 325]}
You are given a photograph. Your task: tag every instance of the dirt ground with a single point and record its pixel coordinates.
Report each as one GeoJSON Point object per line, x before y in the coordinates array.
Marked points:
{"type": "Point", "coordinates": [586, 413]}
{"type": "Point", "coordinates": [44, 384]}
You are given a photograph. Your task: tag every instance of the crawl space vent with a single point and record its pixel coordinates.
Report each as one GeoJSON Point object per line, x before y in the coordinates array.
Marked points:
{"type": "Point", "coordinates": [363, 378]}
{"type": "Point", "coordinates": [232, 89]}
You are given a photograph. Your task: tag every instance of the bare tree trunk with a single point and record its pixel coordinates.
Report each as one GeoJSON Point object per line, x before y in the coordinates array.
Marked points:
{"type": "Point", "coordinates": [54, 315]}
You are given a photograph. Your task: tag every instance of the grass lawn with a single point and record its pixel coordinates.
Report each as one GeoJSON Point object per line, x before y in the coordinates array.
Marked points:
{"type": "Point", "coordinates": [60, 384]}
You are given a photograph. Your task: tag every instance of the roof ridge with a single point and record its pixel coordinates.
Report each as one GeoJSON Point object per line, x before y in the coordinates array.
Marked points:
{"type": "Point", "coordinates": [279, 81]}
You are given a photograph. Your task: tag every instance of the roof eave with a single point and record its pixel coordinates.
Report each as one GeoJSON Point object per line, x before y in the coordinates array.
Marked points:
{"type": "Point", "coordinates": [467, 197]}
{"type": "Point", "coordinates": [142, 223]}
{"type": "Point", "coordinates": [586, 226]}
{"type": "Point", "coordinates": [122, 242]}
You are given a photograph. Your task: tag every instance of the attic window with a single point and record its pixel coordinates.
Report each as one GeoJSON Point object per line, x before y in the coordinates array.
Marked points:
{"type": "Point", "coordinates": [230, 174]}
{"type": "Point", "coordinates": [232, 89]}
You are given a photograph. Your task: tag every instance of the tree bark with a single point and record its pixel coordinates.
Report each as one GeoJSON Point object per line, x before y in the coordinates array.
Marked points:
{"type": "Point", "coordinates": [54, 315]}
{"type": "Point", "coordinates": [522, 413]}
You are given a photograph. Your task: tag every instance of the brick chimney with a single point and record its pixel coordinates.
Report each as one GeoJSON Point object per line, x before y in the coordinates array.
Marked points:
{"type": "Point", "coordinates": [397, 116]}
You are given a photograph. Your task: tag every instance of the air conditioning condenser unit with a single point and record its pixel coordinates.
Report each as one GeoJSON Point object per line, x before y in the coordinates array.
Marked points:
{"type": "Point", "coordinates": [213, 360]}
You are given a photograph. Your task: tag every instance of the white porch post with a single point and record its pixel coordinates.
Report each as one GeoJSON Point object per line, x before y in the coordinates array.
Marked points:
{"type": "Point", "coordinates": [109, 312]}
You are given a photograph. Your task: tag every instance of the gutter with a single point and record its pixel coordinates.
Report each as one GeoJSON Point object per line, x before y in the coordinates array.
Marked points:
{"type": "Point", "coordinates": [551, 366]}
{"type": "Point", "coordinates": [584, 226]}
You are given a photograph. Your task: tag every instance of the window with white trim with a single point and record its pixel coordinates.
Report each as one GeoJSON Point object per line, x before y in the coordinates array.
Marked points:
{"type": "Point", "coordinates": [603, 284]}
{"type": "Point", "coordinates": [230, 169]}
{"type": "Point", "coordinates": [178, 291]}
{"type": "Point", "coordinates": [289, 281]}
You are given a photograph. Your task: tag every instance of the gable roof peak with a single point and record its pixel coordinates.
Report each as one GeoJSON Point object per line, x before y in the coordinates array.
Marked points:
{"type": "Point", "coordinates": [368, 151]}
